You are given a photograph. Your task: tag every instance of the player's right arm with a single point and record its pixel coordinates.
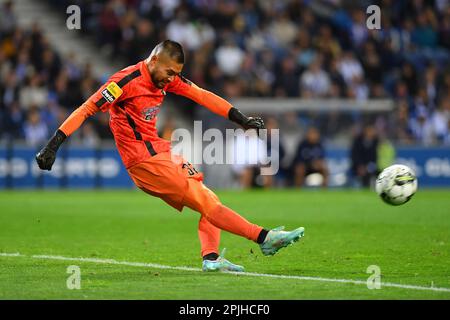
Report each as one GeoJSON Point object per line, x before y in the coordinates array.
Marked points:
{"type": "Point", "coordinates": [46, 157]}
{"type": "Point", "coordinates": [103, 99]}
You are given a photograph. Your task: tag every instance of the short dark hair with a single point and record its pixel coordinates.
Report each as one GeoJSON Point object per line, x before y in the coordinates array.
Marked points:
{"type": "Point", "coordinates": [172, 48]}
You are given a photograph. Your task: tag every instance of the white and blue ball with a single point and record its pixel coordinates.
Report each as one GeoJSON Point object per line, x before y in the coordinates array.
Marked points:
{"type": "Point", "coordinates": [396, 184]}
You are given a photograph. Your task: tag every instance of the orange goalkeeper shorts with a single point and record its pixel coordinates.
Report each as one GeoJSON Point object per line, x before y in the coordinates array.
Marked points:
{"type": "Point", "coordinates": [165, 176]}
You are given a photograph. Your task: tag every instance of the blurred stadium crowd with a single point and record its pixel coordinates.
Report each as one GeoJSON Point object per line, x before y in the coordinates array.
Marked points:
{"type": "Point", "coordinates": [242, 48]}
{"type": "Point", "coordinates": [39, 87]}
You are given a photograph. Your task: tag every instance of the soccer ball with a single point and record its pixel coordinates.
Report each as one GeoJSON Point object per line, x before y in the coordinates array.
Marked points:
{"type": "Point", "coordinates": [396, 184]}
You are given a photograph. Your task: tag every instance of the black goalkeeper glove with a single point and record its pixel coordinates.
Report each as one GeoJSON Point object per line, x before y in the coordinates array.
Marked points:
{"type": "Point", "coordinates": [246, 122]}
{"type": "Point", "coordinates": [46, 157]}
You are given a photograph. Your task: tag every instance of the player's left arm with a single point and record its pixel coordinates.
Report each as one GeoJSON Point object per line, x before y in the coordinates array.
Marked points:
{"type": "Point", "coordinates": [214, 103]}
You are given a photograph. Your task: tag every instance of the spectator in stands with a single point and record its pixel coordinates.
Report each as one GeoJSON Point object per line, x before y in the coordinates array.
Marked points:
{"type": "Point", "coordinates": [315, 81]}
{"type": "Point", "coordinates": [9, 90]}
{"type": "Point", "coordinates": [364, 156]}
{"type": "Point", "coordinates": [446, 139]}
{"type": "Point", "coordinates": [50, 68]}
{"type": "Point", "coordinates": [13, 120]}
{"type": "Point", "coordinates": [33, 94]}
{"type": "Point", "coordinates": [444, 31]}
{"type": "Point", "coordinates": [182, 30]}
{"type": "Point", "coordinates": [359, 89]}
{"type": "Point", "coordinates": [327, 44]}
{"type": "Point", "coordinates": [350, 68]}
{"type": "Point", "coordinates": [306, 52]}
{"type": "Point", "coordinates": [372, 63]}
{"type": "Point", "coordinates": [421, 127]}
{"type": "Point", "coordinates": [430, 84]}
{"type": "Point", "coordinates": [359, 30]}
{"type": "Point", "coordinates": [399, 124]}
{"type": "Point", "coordinates": [36, 132]}
{"type": "Point", "coordinates": [143, 37]}
{"type": "Point", "coordinates": [353, 74]}
{"type": "Point", "coordinates": [425, 33]}
{"type": "Point", "coordinates": [22, 65]}
{"type": "Point", "coordinates": [229, 57]}
{"type": "Point", "coordinates": [440, 120]}
{"type": "Point", "coordinates": [66, 95]}
{"type": "Point", "coordinates": [282, 29]}
{"type": "Point", "coordinates": [72, 67]}
{"type": "Point", "coordinates": [287, 80]}
{"type": "Point", "coordinates": [8, 19]}
{"type": "Point", "coordinates": [409, 77]}
{"type": "Point", "coordinates": [310, 158]}
{"type": "Point", "coordinates": [265, 75]}
{"type": "Point", "coordinates": [337, 80]}
{"type": "Point", "coordinates": [109, 26]}
{"type": "Point", "coordinates": [89, 137]}
{"type": "Point", "coordinates": [102, 126]}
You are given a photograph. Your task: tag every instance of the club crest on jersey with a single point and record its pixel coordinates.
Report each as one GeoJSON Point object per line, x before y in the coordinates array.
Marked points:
{"type": "Point", "coordinates": [150, 113]}
{"type": "Point", "coordinates": [112, 92]}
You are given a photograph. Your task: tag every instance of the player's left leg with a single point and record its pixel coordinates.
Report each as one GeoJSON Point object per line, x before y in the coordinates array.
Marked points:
{"type": "Point", "coordinates": [209, 236]}
{"type": "Point", "coordinates": [201, 199]}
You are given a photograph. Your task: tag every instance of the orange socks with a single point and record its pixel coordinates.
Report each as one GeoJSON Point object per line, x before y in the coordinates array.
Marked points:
{"type": "Point", "coordinates": [228, 220]}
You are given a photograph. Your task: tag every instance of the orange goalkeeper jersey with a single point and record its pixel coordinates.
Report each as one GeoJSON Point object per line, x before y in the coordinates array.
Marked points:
{"type": "Point", "coordinates": [133, 103]}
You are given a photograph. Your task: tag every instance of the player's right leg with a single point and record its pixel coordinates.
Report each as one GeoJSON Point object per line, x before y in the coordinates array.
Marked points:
{"type": "Point", "coordinates": [201, 199]}
{"type": "Point", "coordinates": [277, 239]}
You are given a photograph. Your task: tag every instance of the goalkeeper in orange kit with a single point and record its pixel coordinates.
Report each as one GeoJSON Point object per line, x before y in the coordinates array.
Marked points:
{"type": "Point", "coordinates": [133, 97]}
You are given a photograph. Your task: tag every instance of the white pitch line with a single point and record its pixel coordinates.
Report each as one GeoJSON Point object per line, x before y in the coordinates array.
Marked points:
{"type": "Point", "coordinates": [112, 261]}
{"type": "Point", "coordinates": [249, 274]}
{"type": "Point", "coordinates": [10, 254]}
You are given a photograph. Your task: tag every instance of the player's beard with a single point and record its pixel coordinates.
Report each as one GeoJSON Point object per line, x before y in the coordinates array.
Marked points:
{"type": "Point", "coordinates": [159, 83]}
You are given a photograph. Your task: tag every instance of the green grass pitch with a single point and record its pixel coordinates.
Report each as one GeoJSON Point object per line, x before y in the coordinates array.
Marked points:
{"type": "Point", "coordinates": [345, 232]}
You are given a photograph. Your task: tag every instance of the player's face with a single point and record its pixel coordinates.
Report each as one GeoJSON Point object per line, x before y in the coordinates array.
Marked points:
{"type": "Point", "coordinates": [163, 70]}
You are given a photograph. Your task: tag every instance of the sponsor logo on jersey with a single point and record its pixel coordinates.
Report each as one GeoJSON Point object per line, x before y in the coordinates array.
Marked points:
{"type": "Point", "coordinates": [112, 92]}
{"type": "Point", "coordinates": [150, 113]}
